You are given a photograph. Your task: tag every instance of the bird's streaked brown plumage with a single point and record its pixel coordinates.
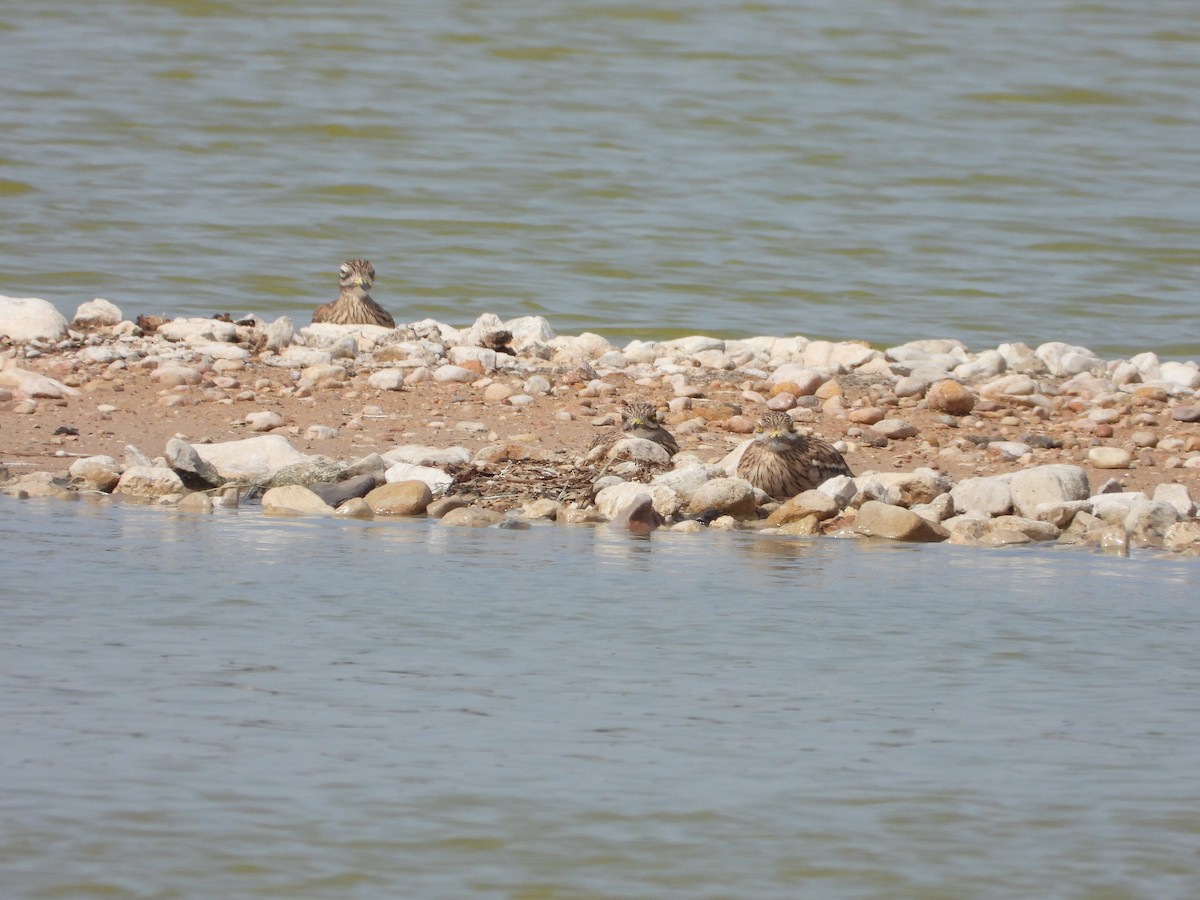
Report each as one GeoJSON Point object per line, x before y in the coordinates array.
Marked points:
{"type": "Point", "coordinates": [638, 420]}
{"type": "Point", "coordinates": [354, 305]}
{"type": "Point", "coordinates": [783, 463]}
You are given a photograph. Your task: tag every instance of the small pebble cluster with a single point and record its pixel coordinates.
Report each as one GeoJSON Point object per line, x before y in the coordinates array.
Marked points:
{"type": "Point", "coordinates": [1005, 446]}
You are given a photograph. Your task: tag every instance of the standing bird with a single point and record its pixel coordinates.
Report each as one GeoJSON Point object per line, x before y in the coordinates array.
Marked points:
{"type": "Point", "coordinates": [354, 305]}
{"type": "Point", "coordinates": [783, 463]}
{"type": "Point", "coordinates": [638, 420]}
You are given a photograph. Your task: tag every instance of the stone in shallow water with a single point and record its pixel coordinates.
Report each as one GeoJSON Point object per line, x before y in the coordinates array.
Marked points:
{"type": "Point", "coordinates": [402, 498]}
{"type": "Point", "coordinates": [729, 496]}
{"type": "Point", "coordinates": [293, 500]}
{"type": "Point", "coordinates": [895, 523]}
{"type": "Point", "coordinates": [638, 516]}
{"type": "Point", "coordinates": [96, 473]}
{"type": "Point", "coordinates": [473, 517]}
{"type": "Point", "coordinates": [149, 482]}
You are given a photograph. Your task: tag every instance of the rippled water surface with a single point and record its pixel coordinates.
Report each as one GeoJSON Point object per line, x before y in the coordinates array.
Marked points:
{"type": "Point", "coordinates": [240, 706]}
{"type": "Point", "coordinates": [883, 169]}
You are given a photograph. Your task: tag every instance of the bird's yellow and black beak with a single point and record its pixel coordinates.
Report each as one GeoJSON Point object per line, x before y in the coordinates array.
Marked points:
{"type": "Point", "coordinates": [637, 422]}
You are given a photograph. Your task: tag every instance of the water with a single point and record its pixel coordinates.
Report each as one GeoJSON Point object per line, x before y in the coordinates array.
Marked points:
{"type": "Point", "coordinates": [879, 169]}
{"type": "Point", "coordinates": [239, 706]}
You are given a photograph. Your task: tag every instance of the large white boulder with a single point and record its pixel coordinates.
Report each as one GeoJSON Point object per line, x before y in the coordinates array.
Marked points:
{"type": "Point", "coordinates": [31, 319]}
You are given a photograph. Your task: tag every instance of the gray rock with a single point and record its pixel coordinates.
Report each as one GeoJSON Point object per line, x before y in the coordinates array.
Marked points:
{"type": "Point", "coordinates": [263, 420]}
{"type": "Point", "coordinates": [387, 380]}
{"type": "Point", "coordinates": [1047, 484]}
{"type": "Point", "coordinates": [894, 429]}
{"type": "Point", "coordinates": [842, 490]}
{"type": "Point", "coordinates": [372, 464]}
{"type": "Point", "coordinates": [685, 480]}
{"type": "Point", "coordinates": [338, 492]}
{"type": "Point", "coordinates": [194, 472]}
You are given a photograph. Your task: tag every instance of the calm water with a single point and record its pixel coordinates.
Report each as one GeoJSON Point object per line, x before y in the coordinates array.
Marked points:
{"type": "Point", "coordinates": [884, 169]}
{"type": "Point", "coordinates": [238, 706]}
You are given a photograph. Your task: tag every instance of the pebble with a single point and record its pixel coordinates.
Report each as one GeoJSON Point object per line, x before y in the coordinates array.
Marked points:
{"type": "Point", "coordinates": [1110, 457]}
{"type": "Point", "coordinates": [894, 429]}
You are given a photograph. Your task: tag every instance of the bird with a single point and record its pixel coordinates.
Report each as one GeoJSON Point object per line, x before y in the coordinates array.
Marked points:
{"type": "Point", "coordinates": [354, 305]}
{"type": "Point", "coordinates": [638, 420]}
{"type": "Point", "coordinates": [783, 463]}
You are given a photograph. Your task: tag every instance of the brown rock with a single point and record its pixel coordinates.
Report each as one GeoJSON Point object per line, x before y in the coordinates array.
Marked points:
{"type": "Point", "coordinates": [403, 498]}
{"type": "Point", "coordinates": [474, 517]}
{"type": "Point", "coordinates": [640, 516]}
{"type": "Point", "coordinates": [877, 519]}
{"type": "Point", "coordinates": [809, 503]}
{"type": "Point", "coordinates": [950, 397]}
{"type": "Point", "coordinates": [867, 415]}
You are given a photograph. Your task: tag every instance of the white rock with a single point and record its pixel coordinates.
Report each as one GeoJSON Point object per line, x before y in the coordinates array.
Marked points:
{"type": "Point", "coordinates": [96, 313]}
{"type": "Point", "coordinates": [320, 433]}
{"type": "Point", "coordinates": [731, 496]}
{"type": "Point", "coordinates": [1110, 457]}
{"type": "Point", "coordinates": [295, 357]}
{"type": "Point", "coordinates": [1148, 520]}
{"type": "Point", "coordinates": [537, 385]}
{"type": "Point", "coordinates": [148, 481]}
{"type": "Point", "coordinates": [852, 355]}
{"type": "Point", "coordinates": [263, 420]}
{"type": "Point", "coordinates": [685, 480]}
{"type": "Point", "coordinates": [1177, 495]}
{"type": "Point", "coordinates": [806, 378]}
{"type": "Point", "coordinates": [1009, 450]}
{"type": "Point", "coordinates": [448, 373]}
{"type": "Point", "coordinates": [1147, 365]}
{"type": "Point", "coordinates": [252, 459]}
{"type": "Point", "coordinates": [32, 384]}
{"type": "Point", "coordinates": [387, 379]}
{"type": "Point", "coordinates": [990, 496]}
{"type": "Point", "coordinates": [841, 488]}
{"type": "Point", "coordinates": [420, 455]}
{"type": "Point", "coordinates": [436, 479]}
{"type": "Point", "coordinates": [1016, 385]}
{"type": "Point", "coordinates": [482, 355]}
{"type": "Point", "coordinates": [611, 500]}
{"type": "Point", "coordinates": [326, 335]}
{"type": "Point", "coordinates": [197, 331]}
{"type": "Point", "coordinates": [279, 334]}
{"type": "Point", "coordinates": [1113, 508]}
{"type": "Point", "coordinates": [1065, 359]}
{"type": "Point", "coordinates": [1047, 484]}
{"type": "Point", "coordinates": [1019, 358]}
{"type": "Point", "coordinates": [96, 473]}
{"type": "Point", "coordinates": [31, 319]}
{"type": "Point", "coordinates": [690, 346]}
{"type": "Point", "coordinates": [1185, 374]}
{"type": "Point", "coordinates": [214, 350]}
{"type": "Point", "coordinates": [529, 331]}
{"type": "Point", "coordinates": [988, 364]}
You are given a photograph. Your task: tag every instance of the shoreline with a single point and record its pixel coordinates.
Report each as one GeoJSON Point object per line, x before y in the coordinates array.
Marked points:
{"type": "Point", "coordinates": [505, 412]}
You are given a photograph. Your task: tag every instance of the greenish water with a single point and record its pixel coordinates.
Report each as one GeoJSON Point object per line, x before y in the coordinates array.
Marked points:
{"type": "Point", "coordinates": [237, 706]}
{"type": "Point", "coordinates": [880, 170]}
